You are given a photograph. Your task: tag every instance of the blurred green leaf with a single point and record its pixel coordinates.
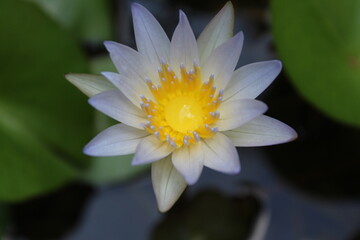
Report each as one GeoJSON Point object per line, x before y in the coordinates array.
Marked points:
{"type": "Point", "coordinates": [44, 121]}
{"type": "Point", "coordinates": [112, 169]}
{"type": "Point", "coordinates": [86, 19]}
{"type": "Point", "coordinates": [319, 42]}
{"type": "Point", "coordinates": [102, 64]}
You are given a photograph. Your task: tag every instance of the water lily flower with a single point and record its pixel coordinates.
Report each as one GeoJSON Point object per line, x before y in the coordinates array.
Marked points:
{"type": "Point", "coordinates": [181, 103]}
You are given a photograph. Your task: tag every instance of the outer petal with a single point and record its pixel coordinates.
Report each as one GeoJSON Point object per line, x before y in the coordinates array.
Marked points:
{"type": "Point", "coordinates": [261, 131]}
{"type": "Point", "coordinates": [233, 114]}
{"type": "Point", "coordinates": [89, 84]}
{"type": "Point", "coordinates": [222, 61]}
{"type": "Point", "coordinates": [221, 155]}
{"type": "Point", "coordinates": [188, 160]}
{"type": "Point", "coordinates": [151, 149]}
{"type": "Point", "coordinates": [119, 139]}
{"type": "Point", "coordinates": [127, 61]}
{"type": "Point", "coordinates": [251, 80]}
{"type": "Point", "coordinates": [183, 47]}
{"type": "Point", "coordinates": [219, 30]}
{"type": "Point", "coordinates": [131, 88]}
{"type": "Point", "coordinates": [151, 39]}
{"type": "Point", "coordinates": [116, 105]}
{"type": "Point", "coordinates": [168, 183]}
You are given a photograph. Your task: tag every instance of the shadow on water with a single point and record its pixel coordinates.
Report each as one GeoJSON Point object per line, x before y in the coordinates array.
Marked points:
{"type": "Point", "coordinates": [51, 216]}
{"type": "Point", "coordinates": [209, 215]}
{"type": "Point", "coordinates": [325, 159]}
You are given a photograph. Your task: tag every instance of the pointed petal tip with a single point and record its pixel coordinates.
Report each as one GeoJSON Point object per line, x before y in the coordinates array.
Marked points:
{"type": "Point", "coordinates": [135, 6]}
{"type": "Point", "coordinates": [108, 75]}
{"type": "Point", "coordinates": [70, 77]}
{"type": "Point", "coordinates": [91, 100]}
{"type": "Point", "coordinates": [139, 10]}
{"type": "Point", "coordinates": [135, 162]}
{"type": "Point", "coordinates": [277, 63]}
{"type": "Point", "coordinates": [236, 170]}
{"type": "Point", "coordinates": [229, 4]}
{"type": "Point", "coordinates": [73, 77]}
{"type": "Point", "coordinates": [263, 107]}
{"type": "Point", "coordinates": [240, 35]}
{"type": "Point", "coordinates": [163, 208]}
{"type": "Point", "coordinates": [88, 150]}
{"type": "Point", "coordinates": [183, 19]}
{"type": "Point", "coordinates": [182, 15]}
{"type": "Point", "coordinates": [110, 45]}
{"type": "Point", "coordinates": [191, 181]}
{"type": "Point", "coordinates": [293, 135]}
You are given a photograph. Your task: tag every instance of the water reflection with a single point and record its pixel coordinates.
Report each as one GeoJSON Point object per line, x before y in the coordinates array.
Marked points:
{"type": "Point", "coordinates": [209, 215]}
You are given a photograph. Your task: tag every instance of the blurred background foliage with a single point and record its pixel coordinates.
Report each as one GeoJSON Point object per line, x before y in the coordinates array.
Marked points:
{"type": "Point", "coordinates": [319, 44]}
{"type": "Point", "coordinates": [45, 121]}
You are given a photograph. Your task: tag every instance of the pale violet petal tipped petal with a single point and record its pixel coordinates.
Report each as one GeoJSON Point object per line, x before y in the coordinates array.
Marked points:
{"type": "Point", "coordinates": [261, 131]}
{"type": "Point", "coordinates": [151, 149]}
{"type": "Point", "coordinates": [90, 84]}
{"type": "Point", "coordinates": [188, 160]}
{"type": "Point", "coordinates": [151, 40]}
{"type": "Point", "coordinates": [117, 106]}
{"type": "Point", "coordinates": [167, 182]}
{"type": "Point", "coordinates": [127, 61]}
{"type": "Point", "coordinates": [133, 89]}
{"type": "Point", "coordinates": [119, 139]}
{"type": "Point", "coordinates": [183, 47]}
{"type": "Point", "coordinates": [221, 155]}
{"type": "Point", "coordinates": [222, 61]}
{"type": "Point", "coordinates": [251, 80]}
{"type": "Point", "coordinates": [233, 114]}
{"type": "Point", "coordinates": [219, 30]}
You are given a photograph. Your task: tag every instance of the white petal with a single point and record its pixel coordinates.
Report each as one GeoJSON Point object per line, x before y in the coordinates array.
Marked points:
{"type": "Point", "coordinates": [233, 114]}
{"type": "Point", "coordinates": [119, 139]}
{"type": "Point", "coordinates": [167, 182]}
{"type": "Point", "coordinates": [251, 80]}
{"type": "Point", "coordinates": [151, 40]}
{"type": "Point", "coordinates": [128, 61]}
{"type": "Point", "coordinates": [89, 84]}
{"type": "Point", "coordinates": [261, 131]}
{"type": "Point", "coordinates": [133, 89]}
{"type": "Point", "coordinates": [188, 160]}
{"type": "Point", "coordinates": [221, 155]}
{"type": "Point", "coordinates": [219, 30]}
{"type": "Point", "coordinates": [222, 61]}
{"type": "Point", "coordinates": [116, 105]}
{"type": "Point", "coordinates": [183, 47]}
{"type": "Point", "coordinates": [151, 149]}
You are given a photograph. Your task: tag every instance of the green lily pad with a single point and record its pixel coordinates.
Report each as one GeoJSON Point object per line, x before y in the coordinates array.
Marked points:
{"type": "Point", "coordinates": [319, 43]}
{"type": "Point", "coordinates": [102, 63]}
{"type": "Point", "coordinates": [44, 121]}
{"type": "Point", "coordinates": [86, 19]}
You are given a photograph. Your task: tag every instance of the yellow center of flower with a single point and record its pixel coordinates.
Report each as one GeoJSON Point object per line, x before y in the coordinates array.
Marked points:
{"type": "Point", "coordinates": [184, 114]}
{"type": "Point", "coordinates": [184, 108]}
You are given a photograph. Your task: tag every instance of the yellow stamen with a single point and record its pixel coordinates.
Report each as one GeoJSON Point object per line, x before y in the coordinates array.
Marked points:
{"type": "Point", "coordinates": [185, 107]}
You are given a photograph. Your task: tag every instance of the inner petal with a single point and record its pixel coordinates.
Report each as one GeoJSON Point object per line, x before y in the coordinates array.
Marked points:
{"type": "Point", "coordinates": [184, 114]}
